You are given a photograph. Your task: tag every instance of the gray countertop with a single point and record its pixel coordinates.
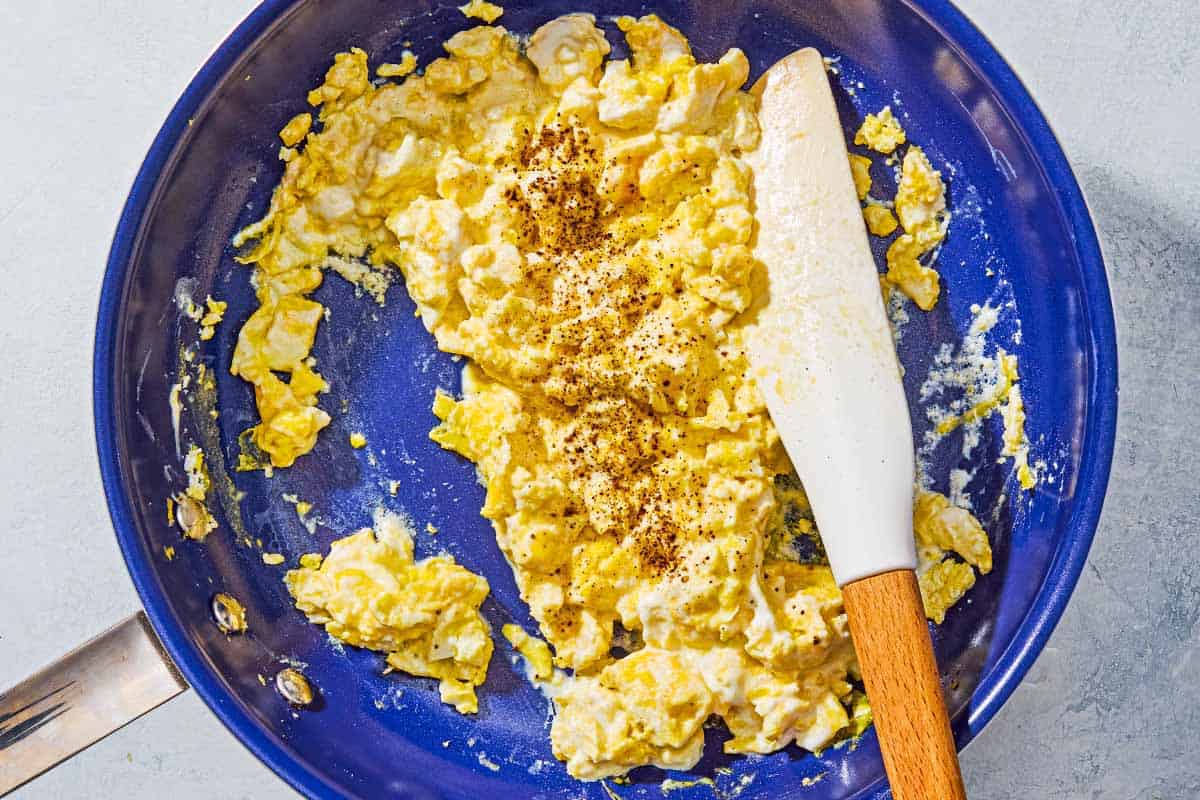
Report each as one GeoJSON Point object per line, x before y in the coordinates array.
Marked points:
{"type": "Point", "coordinates": [1111, 710]}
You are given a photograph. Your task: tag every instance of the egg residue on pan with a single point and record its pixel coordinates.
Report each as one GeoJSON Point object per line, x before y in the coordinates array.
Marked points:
{"type": "Point", "coordinates": [578, 228]}
{"type": "Point", "coordinates": [188, 507]}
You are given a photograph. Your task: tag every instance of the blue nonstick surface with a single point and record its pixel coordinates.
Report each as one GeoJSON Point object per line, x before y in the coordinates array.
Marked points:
{"type": "Point", "coordinates": [211, 169]}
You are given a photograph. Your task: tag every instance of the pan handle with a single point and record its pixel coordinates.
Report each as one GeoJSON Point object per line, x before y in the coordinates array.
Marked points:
{"type": "Point", "coordinates": [90, 692]}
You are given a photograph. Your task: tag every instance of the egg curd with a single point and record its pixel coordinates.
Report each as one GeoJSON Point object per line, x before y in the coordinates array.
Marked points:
{"type": "Point", "coordinates": [369, 592]}
{"type": "Point", "coordinates": [921, 208]}
{"type": "Point", "coordinates": [579, 229]}
{"type": "Point", "coordinates": [920, 205]}
{"type": "Point", "coordinates": [881, 132]}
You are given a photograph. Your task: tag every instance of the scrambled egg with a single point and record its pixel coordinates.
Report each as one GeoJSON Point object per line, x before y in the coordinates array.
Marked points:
{"type": "Point", "coordinates": [535, 652]}
{"type": "Point", "coordinates": [212, 317]}
{"type": "Point", "coordinates": [921, 207]}
{"type": "Point", "coordinates": [369, 592]}
{"type": "Point", "coordinates": [942, 529]}
{"type": "Point", "coordinates": [297, 128]}
{"type": "Point", "coordinates": [920, 204]}
{"type": "Point", "coordinates": [860, 170]}
{"type": "Point", "coordinates": [881, 132]}
{"type": "Point", "coordinates": [407, 65]}
{"type": "Point", "coordinates": [880, 220]}
{"type": "Point", "coordinates": [277, 339]}
{"type": "Point", "coordinates": [579, 229]}
{"type": "Point", "coordinates": [481, 9]}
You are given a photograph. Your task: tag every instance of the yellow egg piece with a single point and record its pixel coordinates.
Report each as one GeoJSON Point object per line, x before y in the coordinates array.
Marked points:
{"type": "Point", "coordinates": [881, 132]}
{"type": "Point", "coordinates": [880, 220]}
{"type": "Point", "coordinates": [481, 9]}
{"type": "Point", "coordinates": [860, 170]}
{"type": "Point", "coordinates": [535, 651]}
{"type": "Point", "coordinates": [370, 592]}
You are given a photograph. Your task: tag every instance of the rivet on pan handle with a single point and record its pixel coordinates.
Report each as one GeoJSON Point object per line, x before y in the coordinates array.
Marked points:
{"type": "Point", "coordinates": [81, 698]}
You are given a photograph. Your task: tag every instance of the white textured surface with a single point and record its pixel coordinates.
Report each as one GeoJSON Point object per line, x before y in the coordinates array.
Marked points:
{"type": "Point", "coordinates": [1110, 711]}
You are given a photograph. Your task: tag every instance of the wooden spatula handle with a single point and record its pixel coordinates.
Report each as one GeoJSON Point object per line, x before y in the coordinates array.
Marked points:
{"type": "Point", "coordinates": [887, 622]}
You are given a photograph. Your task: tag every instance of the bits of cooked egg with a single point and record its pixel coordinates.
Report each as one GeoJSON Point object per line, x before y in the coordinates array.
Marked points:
{"type": "Point", "coordinates": [370, 592]}
{"type": "Point", "coordinates": [579, 229]}
{"type": "Point", "coordinates": [881, 132]}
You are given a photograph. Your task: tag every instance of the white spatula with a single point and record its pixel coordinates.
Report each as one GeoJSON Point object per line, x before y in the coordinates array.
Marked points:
{"type": "Point", "coordinates": [823, 357]}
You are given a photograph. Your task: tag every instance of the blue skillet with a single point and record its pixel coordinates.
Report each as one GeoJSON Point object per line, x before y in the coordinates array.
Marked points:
{"type": "Point", "coordinates": [1021, 236]}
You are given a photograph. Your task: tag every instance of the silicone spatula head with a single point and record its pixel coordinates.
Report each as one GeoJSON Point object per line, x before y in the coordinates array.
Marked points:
{"type": "Point", "coordinates": [823, 358]}
{"type": "Point", "coordinates": [820, 345]}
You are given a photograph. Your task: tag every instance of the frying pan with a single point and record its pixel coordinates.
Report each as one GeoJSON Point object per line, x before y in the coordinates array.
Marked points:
{"type": "Point", "coordinates": [1021, 239]}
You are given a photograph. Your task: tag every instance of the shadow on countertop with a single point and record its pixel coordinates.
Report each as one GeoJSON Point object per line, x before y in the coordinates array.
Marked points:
{"type": "Point", "coordinates": [1111, 709]}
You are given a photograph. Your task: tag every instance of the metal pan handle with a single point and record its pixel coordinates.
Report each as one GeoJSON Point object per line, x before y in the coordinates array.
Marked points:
{"type": "Point", "coordinates": [75, 702]}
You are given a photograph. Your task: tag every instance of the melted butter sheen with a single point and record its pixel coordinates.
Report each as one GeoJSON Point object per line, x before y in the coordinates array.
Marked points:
{"type": "Point", "coordinates": [578, 229]}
